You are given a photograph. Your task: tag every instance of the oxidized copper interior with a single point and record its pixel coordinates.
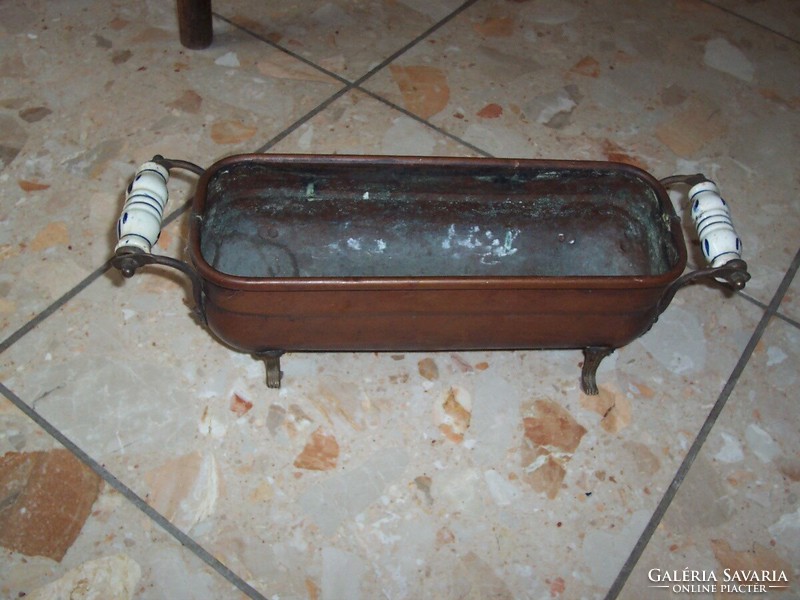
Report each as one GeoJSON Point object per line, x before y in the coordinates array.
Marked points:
{"type": "Point", "coordinates": [315, 219]}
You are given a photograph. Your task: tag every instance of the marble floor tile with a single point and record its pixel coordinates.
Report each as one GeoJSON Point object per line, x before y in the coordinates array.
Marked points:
{"type": "Point", "coordinates": [781, 16]}
{"type": "Point", "coordinates": [345, 38]}
{"type": "Point", "coordinates": [790, 306]}
{"type": "Point", "coordinates": [405, 474]}
{"type": "Point", "coordinates": [117, 551]}
{"type": "Point", "coordinates": [739, 507]}
{"type": "Point", "coordinates": [357, 123]}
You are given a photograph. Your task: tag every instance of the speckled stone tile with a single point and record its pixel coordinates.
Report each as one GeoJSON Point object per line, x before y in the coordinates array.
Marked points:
{"type": "Point", "coordinates": [739, 507]}
{"type": "Point", "coordinates": [118, 552]}
{"type": "Point", "coordinates": [782, 16]}
{"type": "Point", "coordinates": [790, 305]}
{"type": "Point", "coordinates": [343, 37]}
{"type": "Point", "coordinates": [560, 80]}
{"type": "Point", "coordinates": [356, 123]}
{"type": "Point", "coordinates": [397, 475]}
{"type": "Point", "coordinates": [90, 92]}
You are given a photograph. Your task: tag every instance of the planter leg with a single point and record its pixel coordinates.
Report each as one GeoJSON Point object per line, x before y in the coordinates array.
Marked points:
{"type": "Point", "coordinates": [272, 362]}
{"type": "Point", "coordinates": [592, 357]}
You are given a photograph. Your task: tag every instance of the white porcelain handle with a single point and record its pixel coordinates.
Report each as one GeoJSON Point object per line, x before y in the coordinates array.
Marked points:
{"type": "Point", "coordinates": [712, 218]}
{"type": "Point", "coordinates": [139, 226]}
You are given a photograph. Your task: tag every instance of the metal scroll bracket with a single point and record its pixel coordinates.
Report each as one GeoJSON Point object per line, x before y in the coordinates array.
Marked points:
{"type": "Point", "coordinates": [733, 273]}
{"type": "Point", "coordinates": [128, 260]}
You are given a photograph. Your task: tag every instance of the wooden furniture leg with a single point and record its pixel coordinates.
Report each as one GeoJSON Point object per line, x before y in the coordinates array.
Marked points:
{"type": "Point", "coordinates": [194, 22]}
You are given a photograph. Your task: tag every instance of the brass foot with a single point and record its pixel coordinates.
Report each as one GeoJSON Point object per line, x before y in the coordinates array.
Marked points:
{"type": "Point", "coordinates": [272, 362]}
{"type": "Point", "coordinates": [592, 357]}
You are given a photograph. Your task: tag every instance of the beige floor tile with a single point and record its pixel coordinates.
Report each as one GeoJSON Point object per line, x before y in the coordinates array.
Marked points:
{"type": "Point", "coordinates": [359, 124]}
{"type": "Point", "coordinates": [782, 16]}
{"type": "Point", "coordinates": [398, 475]}
{"type": "Point", "coordinates": [790, 306]}
{"type": "Point", "coordinates": [116, 550]}
{"type": "Point", "coordinates": [737, 509]}
{"type": "Point", "coordinates": [345, 38]}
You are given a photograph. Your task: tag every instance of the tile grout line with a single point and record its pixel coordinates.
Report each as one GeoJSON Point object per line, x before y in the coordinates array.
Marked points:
{"type": "Point", "coordinates": [280, 48]}
{"type": "Point", "coordinates": [303, 120]}
{"type": "Point", "coordinates": [184, 539]}
{"type": "Point", "coordinates": [751, 21]}
{"type": "Point", "coordinates": [778, 314]}
{"type": "Point", "coordinates": [53, 307]}
{"type": "Point", "coordinates": [357, 83]}
{"type": "Point", "coordinates": [787, 319]}
{"type": "Point", "coordinates": [74, 291]}
{"type": "Point", "coordinates": [705, 430]}
{"type": "Point", "coordinates": [428, 124]}
{"type": "Point", "coordinates": [397, 53]}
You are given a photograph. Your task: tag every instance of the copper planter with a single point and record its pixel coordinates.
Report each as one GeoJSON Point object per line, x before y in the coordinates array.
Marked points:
{"type": "Point", "coordinates": [327, 253]}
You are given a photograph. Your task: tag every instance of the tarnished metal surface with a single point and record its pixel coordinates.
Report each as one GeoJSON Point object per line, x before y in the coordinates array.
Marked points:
{"type": "Point", "coordinates": [303, 253]}
{"type": "Point", "coordinates": [433, 222]}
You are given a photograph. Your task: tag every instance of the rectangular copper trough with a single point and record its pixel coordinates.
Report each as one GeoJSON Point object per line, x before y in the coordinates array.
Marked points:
{"type": "Point", "coordinates": [329, 253]}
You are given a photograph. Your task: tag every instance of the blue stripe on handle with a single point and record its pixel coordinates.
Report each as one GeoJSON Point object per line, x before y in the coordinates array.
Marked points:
{"type": "Point", "coordinates": [157, 172]}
